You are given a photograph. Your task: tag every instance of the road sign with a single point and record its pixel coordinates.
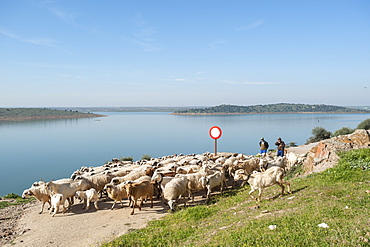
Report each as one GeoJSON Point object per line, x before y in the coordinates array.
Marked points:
{"type": "Point", "coordinates": [215, 132]}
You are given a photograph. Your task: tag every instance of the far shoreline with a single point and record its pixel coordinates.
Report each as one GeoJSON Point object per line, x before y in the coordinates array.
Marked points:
{"type": "Point", "coordinates": [250, 113]}
{"type": "Point", "coordinates": [50, 117]}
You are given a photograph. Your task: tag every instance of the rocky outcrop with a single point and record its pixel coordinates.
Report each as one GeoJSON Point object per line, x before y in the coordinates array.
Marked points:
{"type": "Point", "coordinates": [323, 154]}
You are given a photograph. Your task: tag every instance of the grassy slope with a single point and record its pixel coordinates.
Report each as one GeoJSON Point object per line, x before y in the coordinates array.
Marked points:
{"type": "Point", "coordinates": [338, 197]}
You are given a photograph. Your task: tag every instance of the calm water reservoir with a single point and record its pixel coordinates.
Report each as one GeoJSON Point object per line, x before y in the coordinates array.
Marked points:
{"type": "Point", "coordinates": [53, 149]}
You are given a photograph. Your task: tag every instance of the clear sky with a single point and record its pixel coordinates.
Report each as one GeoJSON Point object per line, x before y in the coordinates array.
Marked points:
{"type": "Point", "coordinates": [183, 52]}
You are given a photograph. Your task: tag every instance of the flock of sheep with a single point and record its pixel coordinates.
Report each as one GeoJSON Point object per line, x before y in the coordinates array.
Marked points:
{"type": "Point", "coordinates": [168, 178]}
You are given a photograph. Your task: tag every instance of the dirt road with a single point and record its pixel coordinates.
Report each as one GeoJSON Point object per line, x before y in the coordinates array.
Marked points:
{"type": "Point", "coordinates": [79, 228]}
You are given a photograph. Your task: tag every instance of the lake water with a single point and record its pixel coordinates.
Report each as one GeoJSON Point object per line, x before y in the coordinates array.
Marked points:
{"type": "Point", "coordinates": [53, 149]}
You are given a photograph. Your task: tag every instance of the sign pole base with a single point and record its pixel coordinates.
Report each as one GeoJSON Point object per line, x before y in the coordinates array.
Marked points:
{"type": "Point", "coordinates": [215, 147]}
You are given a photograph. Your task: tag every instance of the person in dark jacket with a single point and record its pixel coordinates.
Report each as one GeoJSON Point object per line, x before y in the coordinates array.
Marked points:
{"type": "Point", "coordinates": [264, 145]}
{"type": "Point", "coordinates": [280, 146]}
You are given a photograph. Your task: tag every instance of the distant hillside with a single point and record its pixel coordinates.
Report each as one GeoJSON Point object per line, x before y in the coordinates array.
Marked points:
{"type": "Point", "coordinates": [127, 109]}
{"type": "Point", "coordinates": [19, 114]}
{"type": "Point", "coordinates": [271, 108]}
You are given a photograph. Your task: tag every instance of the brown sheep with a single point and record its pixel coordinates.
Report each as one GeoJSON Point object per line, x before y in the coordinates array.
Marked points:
{"type": "Point", "coordinates": [139, 190]}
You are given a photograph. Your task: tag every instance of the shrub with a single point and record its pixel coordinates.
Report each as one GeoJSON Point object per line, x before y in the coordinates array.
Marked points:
{"type": "Point", "coordinates": [364, 124]}
{"type": "Point", "coordinates": [126, 158]}
{"type": "Point", "coordinates": [319, 133]}
{"type": "Point", "coordinates": [146, 157]}
{"type": "Point", "coordinates": [343, 131]}
{"type": "Point", "coordinates": [12, 196]}
{"type": "Point", "coordinates": [292, 144]}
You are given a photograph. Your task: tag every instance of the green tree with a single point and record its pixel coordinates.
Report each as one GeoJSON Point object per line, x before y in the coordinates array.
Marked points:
{"type": "Point", "coordinates": [343, 131]}
{"type": "Point", "coordinates": [319, 133]}
{"type": "Point", "coordinates": [364, 124]}
{"type": "Point", "coordinates": [292, 144]}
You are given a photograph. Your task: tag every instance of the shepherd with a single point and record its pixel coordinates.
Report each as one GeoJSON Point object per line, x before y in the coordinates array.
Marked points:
{"type": "Point", "coordinates": [264, 145]}
{"type": "Point", "coordinates": [280, 146]}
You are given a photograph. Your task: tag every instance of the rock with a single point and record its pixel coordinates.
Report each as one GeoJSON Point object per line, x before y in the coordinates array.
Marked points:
{"type": "Point", "coordinates": [323, 225]}
{"type": "Point", "coordinates": [323, 155]}
{"type": "Point", "coordinates": [272, 227]}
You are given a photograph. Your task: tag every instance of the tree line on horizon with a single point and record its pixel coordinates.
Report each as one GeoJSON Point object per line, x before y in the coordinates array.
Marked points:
{"type": "Point", "coordinates": [272, 108]}
{"type": "Point", "coordinates": [31, 112]}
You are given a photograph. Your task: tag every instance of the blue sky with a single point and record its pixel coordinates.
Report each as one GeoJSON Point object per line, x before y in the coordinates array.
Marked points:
{"type": "Point", "coordinates": [183, 53]}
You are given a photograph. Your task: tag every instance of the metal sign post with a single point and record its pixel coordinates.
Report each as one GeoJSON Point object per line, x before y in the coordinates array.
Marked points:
{"type": "Point", "coordinates": [215, 132]}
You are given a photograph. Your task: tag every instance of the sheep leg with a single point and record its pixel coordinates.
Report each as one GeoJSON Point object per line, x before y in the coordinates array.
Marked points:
{"type": "Point", "coordinates": [42, 207]}
{"type": "Point", "coordinates": [64, 209]}
{"type": "Point", "coordinates": [282, 189]}
{"type": "Point", "coordinates": [184, 201]}
{"type": "Point", "coordinates": [133, 207]}
{"type": "Point", "coordinates": [250, 193]}
{"type": "Point", "coordinates": [259, 195]}
{"type": "Point", "coordinates": [56, 209]}
{"type": "Point", "coordinates": [96, 205]}
{"type": "Point", "coordinates": [192, 196]}
{"type": "Point", "coordinates": [114, 204]}
{"type": "Point", "coordinates": [69, 202]}
{"type": "Point", "coordinates": [288, 186]}
{"type": "Point", "coordinates": [208, 192]}
{"type": "Point", "coordinates": [87, 204]}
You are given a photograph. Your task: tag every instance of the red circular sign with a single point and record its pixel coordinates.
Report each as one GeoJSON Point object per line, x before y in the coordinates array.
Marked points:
{"type": "Point", "coordinates": [215, 132]}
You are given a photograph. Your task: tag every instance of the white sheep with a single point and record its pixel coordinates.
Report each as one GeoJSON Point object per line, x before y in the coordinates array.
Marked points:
{"type": "Point", "coordinates": [134, 174]}
{"type": "Point", "coordinates": [67, 189]}
{"type": "Point", "coordinates": [211, 181]}
{"type": "Point", "coordinates": [97, 181]}
{"type": "Point", "coordinates": [187, 169]}
{"type": "Point", "coordinates": [174, 189]}
{"type": "Point", "coordinates": [278, 161]}
{"type": "Point", "coordinates": [57, 200]}
{"type": "Point", "coordinates": [160, 182]}
{"type": "Point", "coordinates": [116, 193]}
{"type": "Point", "coordinates": [88, 196]}
{"type": "Point", "coordinates": [41, 193]}
{"type": "Point", "coordinates": [249, 166]}
{"type": "Point", "coordinates": [261, 180]}
{"type": "Point", "coordinates": [193, 180]}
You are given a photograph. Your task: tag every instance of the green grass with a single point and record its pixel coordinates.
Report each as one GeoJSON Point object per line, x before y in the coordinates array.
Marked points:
{"type": "Point", "coordinates": [17, 200]}
{"type": "Point", "coordinates": [337, 197]}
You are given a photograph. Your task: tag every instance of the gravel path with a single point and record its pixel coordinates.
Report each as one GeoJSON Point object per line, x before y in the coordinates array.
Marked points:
{"type": "Point", "coordinates": [76, 227]}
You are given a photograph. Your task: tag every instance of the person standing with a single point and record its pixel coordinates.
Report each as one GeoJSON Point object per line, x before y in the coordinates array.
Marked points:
{"type": "Point", "coordinates": [280, 146]}
{"type": "Point", "coordinates": [264, 145]}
